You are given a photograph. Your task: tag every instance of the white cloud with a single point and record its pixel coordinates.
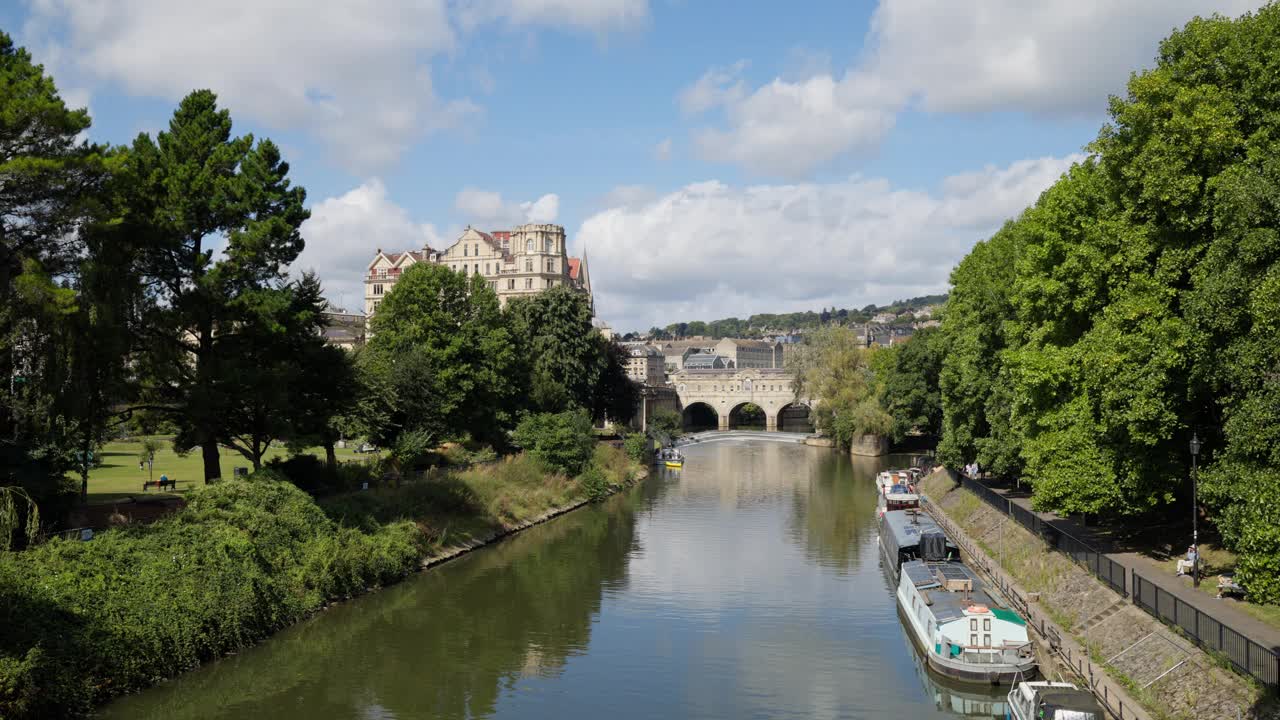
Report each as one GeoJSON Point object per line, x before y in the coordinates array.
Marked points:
{"type": "Point", "coordinates": [662, 151]}
{"type": "Point", "coordinates": [789, 129]}
{"type": "Point", "coordinates": [710, 250]}
{"type": "Point", "coordinates": [1060, 57]}
{"type": "Point", "coordinates": [717, 86]}
{"type": "Point", "coordinates": [489, 210]}
{"type": "Point", "coordinates": [344, 232]}
{"type": "Point", "coordinates": [353, 73]}
{"type": "Point", "coordinates": [1063, 56]}
{"type": "Point", "coordinates": [590, 15]}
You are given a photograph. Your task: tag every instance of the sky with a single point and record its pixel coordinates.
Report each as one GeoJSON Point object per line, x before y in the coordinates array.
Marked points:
{"type": "Point", "coordinates": [712, 158]}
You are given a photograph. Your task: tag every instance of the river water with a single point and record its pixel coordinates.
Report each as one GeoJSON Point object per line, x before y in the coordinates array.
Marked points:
{"type": "Point", "coordinates": [746, 585]}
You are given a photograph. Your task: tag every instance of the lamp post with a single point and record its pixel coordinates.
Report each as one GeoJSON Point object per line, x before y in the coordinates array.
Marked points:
{"type": "Point", "coordinates": [1195, 511]}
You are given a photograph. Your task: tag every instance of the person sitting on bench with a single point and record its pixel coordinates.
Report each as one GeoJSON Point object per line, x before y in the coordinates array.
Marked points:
{"type": "Point", "coordinates": [1187, 564]}
{"type": "Point", "coordinates": [1227, 585]}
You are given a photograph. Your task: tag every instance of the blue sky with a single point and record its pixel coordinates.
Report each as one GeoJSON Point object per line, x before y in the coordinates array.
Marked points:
{"type": "Point", "coordinates": [715, 158]}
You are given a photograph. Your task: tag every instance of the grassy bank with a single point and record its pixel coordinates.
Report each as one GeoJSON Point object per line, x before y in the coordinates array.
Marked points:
{"type": "Point", "coordinates": [85, 621]}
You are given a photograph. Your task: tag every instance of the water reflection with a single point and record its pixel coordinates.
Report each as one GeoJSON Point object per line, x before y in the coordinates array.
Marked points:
{"type": "Point", "coordinates": [744, 585]}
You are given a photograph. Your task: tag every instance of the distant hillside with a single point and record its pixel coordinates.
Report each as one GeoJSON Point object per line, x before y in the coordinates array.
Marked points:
{"type": "Point", "coordinates": [763, 324]}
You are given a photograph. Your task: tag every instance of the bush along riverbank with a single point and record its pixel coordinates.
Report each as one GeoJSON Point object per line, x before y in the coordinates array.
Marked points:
{"type": "Point", "coordinates": [86, 621]}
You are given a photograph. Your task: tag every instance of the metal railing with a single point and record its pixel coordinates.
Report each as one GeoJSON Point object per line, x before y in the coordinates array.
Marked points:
{"type": "Point", "coordinates": [1207, 631]}
{"type": "Point", "coordinates": [1104, 568]}
{"type": "Point", "coordinates": [1246, 655]}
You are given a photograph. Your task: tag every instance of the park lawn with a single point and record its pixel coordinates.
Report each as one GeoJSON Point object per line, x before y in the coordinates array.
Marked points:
{"type": "Point", "coordinates": [118, 474]}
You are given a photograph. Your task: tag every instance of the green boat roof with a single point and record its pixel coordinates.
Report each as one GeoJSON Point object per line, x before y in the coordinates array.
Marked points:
{"type": "Point", "coordinates": [1007, 614]}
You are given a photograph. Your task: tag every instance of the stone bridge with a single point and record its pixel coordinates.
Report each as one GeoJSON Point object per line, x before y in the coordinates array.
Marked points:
{"type": "Point", "coordinates": [720, 398]}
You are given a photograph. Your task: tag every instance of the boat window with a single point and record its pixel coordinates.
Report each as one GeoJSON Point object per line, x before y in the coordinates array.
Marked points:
{"type": "Point", "coordinates": [973, 640]}
{"type": "Point", "coordinates": [986, 640]}
{"type": "Point", "coordinates": [986, 623]}
{"type": "Point", "coordinates": [973, 623]}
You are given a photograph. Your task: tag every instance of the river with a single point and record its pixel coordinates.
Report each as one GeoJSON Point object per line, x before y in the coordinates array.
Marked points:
{"type": "Point", "coordinates": [746, 585]}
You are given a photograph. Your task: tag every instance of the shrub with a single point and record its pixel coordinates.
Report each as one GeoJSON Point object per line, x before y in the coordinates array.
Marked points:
{"type": "Point", "coordinates": [88, 620]}
{"type": "Point", "coordinates": [563, 441]}
{"type": "Point", "coordinates": [637, 446]}
{"type": "Point", "coordinates": [594, 483]}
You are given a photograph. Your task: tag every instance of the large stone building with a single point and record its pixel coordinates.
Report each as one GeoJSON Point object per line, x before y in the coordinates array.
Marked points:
{"type": "Point", "coordinates": [645, 364]}
{"type": "Point", "coordinates": [523, 261]}
{"type": "Point", "coordinates": [734, 352]}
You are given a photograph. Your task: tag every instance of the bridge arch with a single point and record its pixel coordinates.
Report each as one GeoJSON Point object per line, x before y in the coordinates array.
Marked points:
{"type": "Point", "coordinates": [794, 417]}
{"type": "Point", "coordinates": [698, 416]}
{"type": "Point", "coordinates": [748, 416]}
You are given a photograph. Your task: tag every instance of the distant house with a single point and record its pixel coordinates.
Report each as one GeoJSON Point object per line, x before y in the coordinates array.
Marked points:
{"type": "Point", "coordinates": [707, 361]}
{"type": "Point", "coordinates": [883, 318]}
{"type": "Point", "coordinates": [645, 364]}
{"type": "Point", "coordinates": [750, 353]}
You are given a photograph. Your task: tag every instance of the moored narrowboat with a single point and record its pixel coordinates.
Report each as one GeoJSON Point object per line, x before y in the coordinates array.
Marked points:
{"type": "Point", "coordinates": [912, 535]}
{"type": "Point", "coordinates": [963, 632]}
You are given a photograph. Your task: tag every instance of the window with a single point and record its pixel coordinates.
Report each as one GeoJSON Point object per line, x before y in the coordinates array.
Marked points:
{"type": "Point", "coordinates": [464, 251]}
{"type": "Point", "coordinates": [377, 289]}
{"type": "Point", "coordinates": [551, 265]}
{"type": "Point", "coordinates": [973, 640]}
{"type": "Point", "coordinates": [511, 283]}
{"type": "Point", "coordinates": [477, 249]}
{"type": "Point", "coordinates": [382, 272]}
{"type": "Point", "coordinates": [528, 265]}
{"type": "Point", "coordinates": [973, 623]}
{"type": "Point", "coordinates": [986, 640]}
{"type": "Point", "coordinates": [477, 268]}
{"type": "Point", "coordinates": [486, 268]}
{"type": "Point", "coordinates": [376, 303]}
{"type": "Point", "coordinates": [548, 245]}
{"type": "Point", "coordinates": [986, 624]}
{"type": "Point", "coordinates": [528, 246]}
{"type": "Point", "coordinates": [528, 283]}
{"type": "Point", "coordinates": [493, 284]}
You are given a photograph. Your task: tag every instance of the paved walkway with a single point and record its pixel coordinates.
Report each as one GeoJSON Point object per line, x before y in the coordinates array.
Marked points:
{"type": "Point", "coordinates": [1224, 611]}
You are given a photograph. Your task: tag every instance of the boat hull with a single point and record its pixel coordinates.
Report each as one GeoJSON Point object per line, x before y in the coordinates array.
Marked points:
{"type": "Point", "coordinates": [672, 464]}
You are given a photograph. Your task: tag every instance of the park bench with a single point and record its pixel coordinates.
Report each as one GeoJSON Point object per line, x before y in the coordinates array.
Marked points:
{"type": "Point", "coordinates": [1227, 585]}
{"type": "Point", "coordinates": [160, 484]}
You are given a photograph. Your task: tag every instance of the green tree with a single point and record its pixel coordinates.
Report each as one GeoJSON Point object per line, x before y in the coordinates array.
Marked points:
{"type": "Point", "coordinates": [976, 401]}
{"type": "Point", "coordinates": [51, 184]}
{"type": "Point", "coordinates": [836, 370]}
{"type": "Point", "coordinates": [565, 441]}
{"type": "Point", "coordinates": [442, 358]}
{"type": "Point", "coordinates": [910, 392]}
{"type": "Point", "coordinates": [665, 424]}
{"type": "Point", "coordinates": [195, 183]}
{"type": "Point", "coordinates": [565, 355]}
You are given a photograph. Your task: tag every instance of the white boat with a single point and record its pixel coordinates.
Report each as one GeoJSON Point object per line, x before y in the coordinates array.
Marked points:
{"type": "Point", "coordinates": [1044, 700]}
{"type": "Point", "coordinates": [963, 632]}
{"type": "Point", "coordinates": [898, 497]}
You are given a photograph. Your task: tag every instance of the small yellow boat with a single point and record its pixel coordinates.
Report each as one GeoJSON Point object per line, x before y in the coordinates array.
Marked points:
{"type": "Point", "coordinates": [671, 458]}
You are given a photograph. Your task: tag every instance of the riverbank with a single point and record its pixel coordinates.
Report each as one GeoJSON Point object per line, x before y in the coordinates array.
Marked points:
{"type": "Point", "coordinates": [1166, 673]}
{"type": "Point", "coordinates": [86, 621]}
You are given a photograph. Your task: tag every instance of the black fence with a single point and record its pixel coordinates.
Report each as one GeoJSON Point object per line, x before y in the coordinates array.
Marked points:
{"type": "Point", "coordinates": [1246, 655]}
{"type": "Point", "coordinates": [1104, 568]}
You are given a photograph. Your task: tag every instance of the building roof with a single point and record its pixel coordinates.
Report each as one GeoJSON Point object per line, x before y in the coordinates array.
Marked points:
{"type": "Point", "coordinates": [575, 267]}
